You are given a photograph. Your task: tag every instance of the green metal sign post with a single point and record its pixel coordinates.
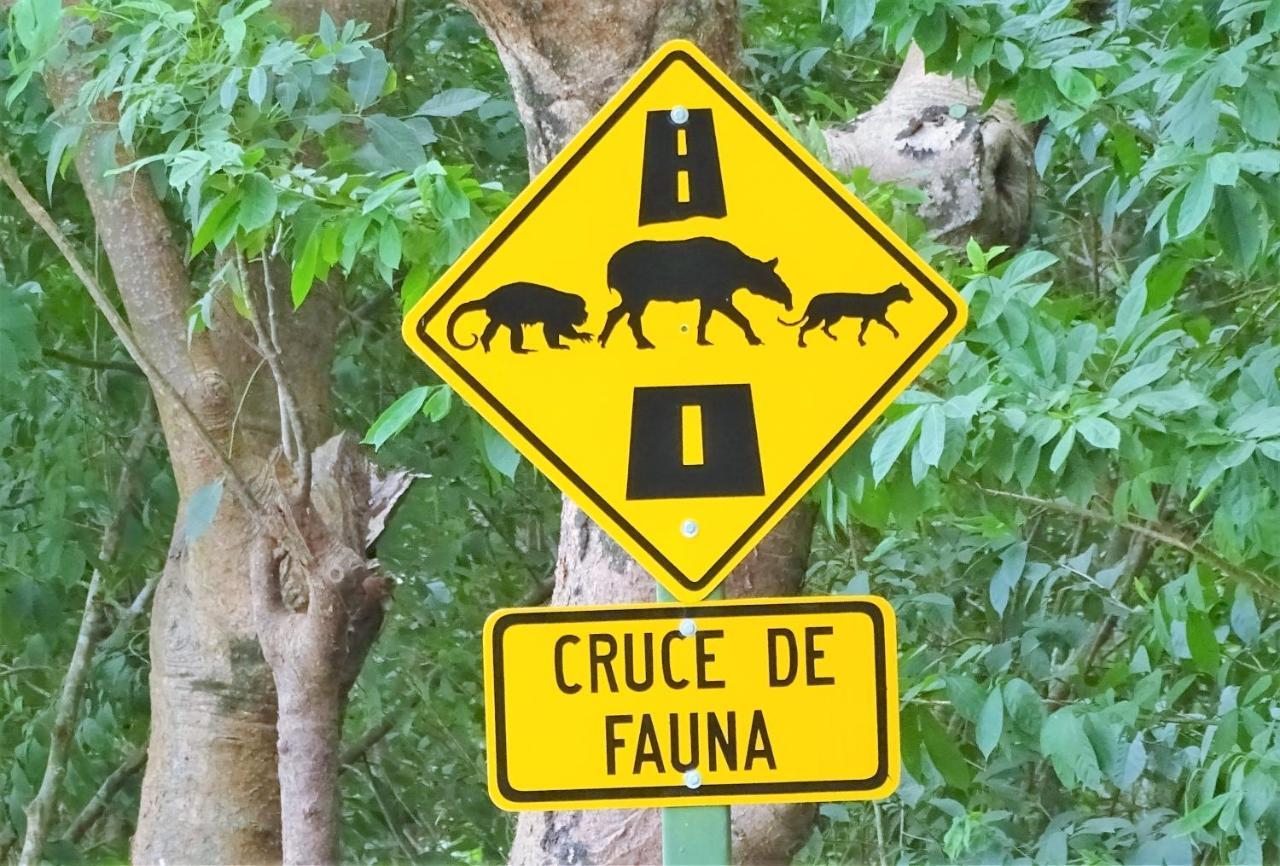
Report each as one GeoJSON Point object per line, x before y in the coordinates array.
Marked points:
{"type": "Point", "coordinates": [695, 835]}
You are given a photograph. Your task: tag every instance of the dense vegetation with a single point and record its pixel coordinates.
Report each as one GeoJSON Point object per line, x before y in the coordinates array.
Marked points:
{"type": "Point", "coordinates": [1076, 512]}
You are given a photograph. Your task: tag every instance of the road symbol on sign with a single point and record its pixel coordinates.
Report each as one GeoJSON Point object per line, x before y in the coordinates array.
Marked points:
{"type": "Point", "coordinates": [724, 694]}
{"type": "Point", "coordinates": [684, 321]}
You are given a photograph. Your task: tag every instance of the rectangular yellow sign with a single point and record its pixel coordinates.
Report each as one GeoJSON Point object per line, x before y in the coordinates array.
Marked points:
{"type": "Point", "coordinates": [754, 701]}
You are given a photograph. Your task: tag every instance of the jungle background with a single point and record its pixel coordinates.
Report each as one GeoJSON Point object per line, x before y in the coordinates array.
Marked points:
{"type": "Point", "coordinates": [1075, 512]}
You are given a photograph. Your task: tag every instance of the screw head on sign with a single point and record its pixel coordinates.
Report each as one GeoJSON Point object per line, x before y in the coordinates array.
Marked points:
{"type": "Point", "coordinates": [692, 779]}
{"type": "Point", "coordinates": [688, 627]}
{"type": "Point", "coordinates": [689, 528]}
{"type": "Point", "coordinates": [679, 115]}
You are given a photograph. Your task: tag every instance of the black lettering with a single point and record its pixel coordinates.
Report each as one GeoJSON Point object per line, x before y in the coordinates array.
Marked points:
{"type": "Point", "coordinates": [629, 662]}
{"type": "Point", "coordinates": [758, 744]}
{"type": "Point", "coordinates": [604, 649]}
{"type": "Point", "coordinates": [677, 764]}
{"type": "Point", "coordinates": [722, 740]}
{"type": "Point", "coordinates": [812, 654]}
{"type": "Point", "coordinates": [647, 747]}
{"type": "Point", "coordinates": [564, 685]}
{"type": "Point", "coordinates": [672, 682]}
{"type": "Point", "coordinates": [705, 658]}
{"type": "Point", "coordinates": [775, 678]}
{"type": "Point", "coordinates": [612, 742]}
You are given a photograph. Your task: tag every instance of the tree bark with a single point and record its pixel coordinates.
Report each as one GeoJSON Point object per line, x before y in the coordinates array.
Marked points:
{"type": "Point", "coordinates": [210, 792]}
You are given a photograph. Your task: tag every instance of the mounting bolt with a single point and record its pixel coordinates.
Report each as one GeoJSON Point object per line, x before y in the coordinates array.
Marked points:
{"type": "Point", "coordinates": [692, 779]}
{"type": "Point", "coordinates": [689, 528]}
{"type": "Point", "coordinates": [679, 115]}
{"type": "Point", "coordinates": [688, 627]}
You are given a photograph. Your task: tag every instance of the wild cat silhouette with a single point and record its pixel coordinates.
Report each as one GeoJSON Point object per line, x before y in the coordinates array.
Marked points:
{"type": "Point", "coordinates": [826, 310]}
{"type": "Point", "coordinates": [707, 270]}
{"type": "Point", "coordinates": [518, 304]}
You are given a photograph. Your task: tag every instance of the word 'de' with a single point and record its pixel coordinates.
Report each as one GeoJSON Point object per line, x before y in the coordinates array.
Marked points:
{"type": "Point", "coordinates": [662, 704]}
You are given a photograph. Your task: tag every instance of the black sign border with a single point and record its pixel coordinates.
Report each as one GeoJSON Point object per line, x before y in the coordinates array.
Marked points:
{"type": "Point", "coordinates": [697, 612]}
{"type": "Point", "coordinates": [805, 476]}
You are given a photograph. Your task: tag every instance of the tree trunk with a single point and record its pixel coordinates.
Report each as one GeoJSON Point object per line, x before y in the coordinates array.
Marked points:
{"type": "Point", "coordinates": [210, 793]}
{"type": "Point", "coordinates": [565, 60]}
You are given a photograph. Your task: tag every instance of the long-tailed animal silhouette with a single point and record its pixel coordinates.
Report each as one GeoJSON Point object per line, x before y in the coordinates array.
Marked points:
{"type": "Point", "coordinates": [518, 304]}
{"type": "Point", "coordinates": [826, 310]}
{"type": "Point", "coordinates": [706, 270]}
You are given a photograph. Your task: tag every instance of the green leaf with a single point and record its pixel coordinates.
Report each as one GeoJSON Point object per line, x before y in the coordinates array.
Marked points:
{"type": "Point", "coordinates": [854, 17]}
{"type": "Point", "coordinates": [1130, 311]}
{"type": "Point", "coordinates": [382, 194]}
{"type": "Point", "coordinates": [257, 202]}
{"type": "Point", "coordinates": [66, 137]}
{"type": "Point", "coordinates": [1259, 111]}
{"type": "Point", "coordinates": [201, 510]}
{"type": "Point", "coordinates": [1064, 741]}
{"type": "Point", "coordinates": [1135, 761]}
{"type": "Point", "coordinates": [1025, 706]}
{"type": "Point", "coordinates": [1202, 642]}
{"type": "Point", "coordinates": [1223, 168]}
{"type": "Point", "coordinates": [1099, 432]}
{"type": "Point", "coordinates": [1075, 85]}
{"type": "Point", "coordinates": [396, 417]}
{"type": "Point", "coordinates": [451, 103]}
{"type": "Point", "coordinates": [366, 78]}
{"type": "Point", "coordinates": [990, 722]}
{"type": "Point", "coordinates": [889, 444]}
{"type": "Point", "coordinates": [1244, 616]}
{"type": "Point", "coordinates": [944, 752]}
{"type": "Point", "coordinates": [215, 211]}
{"type": "Point", "coordinates": [1013, 562]}
{"type": "Point", "coordinates": [233, 31]}
{"type": "Point", "coordinates": [1062, 450]}
{"type": "Point", "coordinates": [1200, 815]}
{"type": "Point", "coordinates": [257, 89]}
{"type": "Point", "coordinates": [389, 245]}
{"type": "Point", "coordinates": [395, 141]}
{"type": "Point", "coordinates": [1196, 201]}
{"type": "Point", "coordinates": [1238, 226]}
{"type": "Point", "coordinates": [439, 403]}
{"type": "Point", "coordinates": [304, 270]}
{"type": "Point", "coordinates": [499, 453]}
{"type": "Point", "coordinates": [933, 431]}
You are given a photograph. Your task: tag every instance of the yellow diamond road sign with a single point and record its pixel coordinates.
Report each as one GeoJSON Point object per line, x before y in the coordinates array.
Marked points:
{"type": "Point", "coordinates": [684, 320]}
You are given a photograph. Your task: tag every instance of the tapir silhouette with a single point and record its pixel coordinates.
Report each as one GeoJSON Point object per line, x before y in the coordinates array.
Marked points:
{"type": "Point", "coordinates": [707, 270]}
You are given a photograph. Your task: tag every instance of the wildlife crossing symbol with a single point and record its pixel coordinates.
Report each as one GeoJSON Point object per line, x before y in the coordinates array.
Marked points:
{"type": "Point", "coordinates": [723, 702]}
{"type": "Point", "coordinates": [684, 320]}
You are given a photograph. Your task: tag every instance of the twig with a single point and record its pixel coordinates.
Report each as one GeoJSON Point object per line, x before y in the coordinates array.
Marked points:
{"type": "Point", "coordinates": [409, 850]}
{"type": "Point", "coordinates": [41, 809]}
{"type": "Point", "coordinates": [1238, 573]}
{"type": "Point", "coordinates": [41, 218]}
{"type": "Point", "coordinates": [92, 363]}
{"type": "Point", "coordinates": [370, 738]}
{"type": "Point", "coordinates": [287, 396]}
{"type": "Point", "coordinates": [110, 786]}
